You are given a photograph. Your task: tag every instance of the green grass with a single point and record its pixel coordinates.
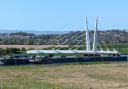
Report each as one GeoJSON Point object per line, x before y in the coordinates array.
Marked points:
{"type": "Point", "coordinates": [121, 47]}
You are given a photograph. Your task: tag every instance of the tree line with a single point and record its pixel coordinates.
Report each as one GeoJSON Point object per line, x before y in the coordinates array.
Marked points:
{"type": "Point", "coordinates": [70, 38]}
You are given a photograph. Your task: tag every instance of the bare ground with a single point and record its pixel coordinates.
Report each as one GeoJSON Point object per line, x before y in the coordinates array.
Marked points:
{"type": "Point", "coordinates": [31, 46]}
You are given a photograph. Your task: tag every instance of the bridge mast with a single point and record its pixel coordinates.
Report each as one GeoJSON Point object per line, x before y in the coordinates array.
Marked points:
{"type": "Point", "coordinates": [95, 37]}
{"type": "Point", "coordinates": [87, 37]}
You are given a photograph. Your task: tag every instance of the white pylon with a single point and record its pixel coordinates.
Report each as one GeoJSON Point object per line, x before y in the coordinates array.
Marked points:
{"type": "Point", "coordinates": [87, 37]}
{"type": "Point", "coordinates": [95, 37]}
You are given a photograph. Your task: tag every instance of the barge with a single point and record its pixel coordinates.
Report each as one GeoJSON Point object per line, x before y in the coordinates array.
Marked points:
{"type": "Point", "coordinates": [15, 60]}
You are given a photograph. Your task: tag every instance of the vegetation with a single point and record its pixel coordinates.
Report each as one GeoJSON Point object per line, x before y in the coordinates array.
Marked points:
{"type": "Point", "coordinates": [9, 51]}
{"type": "Point", "coordinates": [72, 38]}
{"type": "Point", "coordinates": [113, 39]}
{"type": "Point", "coordinates": [122, 48]}
{"type": "Point", "coordinates": [91, 75]}
{"type": "Point", "coordinates": [106, 75]}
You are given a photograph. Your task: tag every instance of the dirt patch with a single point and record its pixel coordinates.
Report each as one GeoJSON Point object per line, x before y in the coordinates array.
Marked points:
{"type": "Point", "coordinates": [31, 46]}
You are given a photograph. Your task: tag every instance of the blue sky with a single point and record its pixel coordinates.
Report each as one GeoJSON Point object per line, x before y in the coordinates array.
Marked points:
{"type": "Point", "coordinates": [62, 15]}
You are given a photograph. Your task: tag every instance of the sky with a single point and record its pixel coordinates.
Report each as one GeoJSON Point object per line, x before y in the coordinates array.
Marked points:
{"type": "Point", "coordinates": [62, 15]}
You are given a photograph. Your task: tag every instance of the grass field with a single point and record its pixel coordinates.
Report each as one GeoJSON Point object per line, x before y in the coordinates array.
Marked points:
{"type": "Point", "coordinates": [65, 76]}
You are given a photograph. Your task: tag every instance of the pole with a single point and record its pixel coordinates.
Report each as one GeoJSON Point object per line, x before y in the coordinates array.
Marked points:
{"type": "Point", "coordinates": [95, 37]}
{"type": "Point", "coordinates": [87, 37]}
